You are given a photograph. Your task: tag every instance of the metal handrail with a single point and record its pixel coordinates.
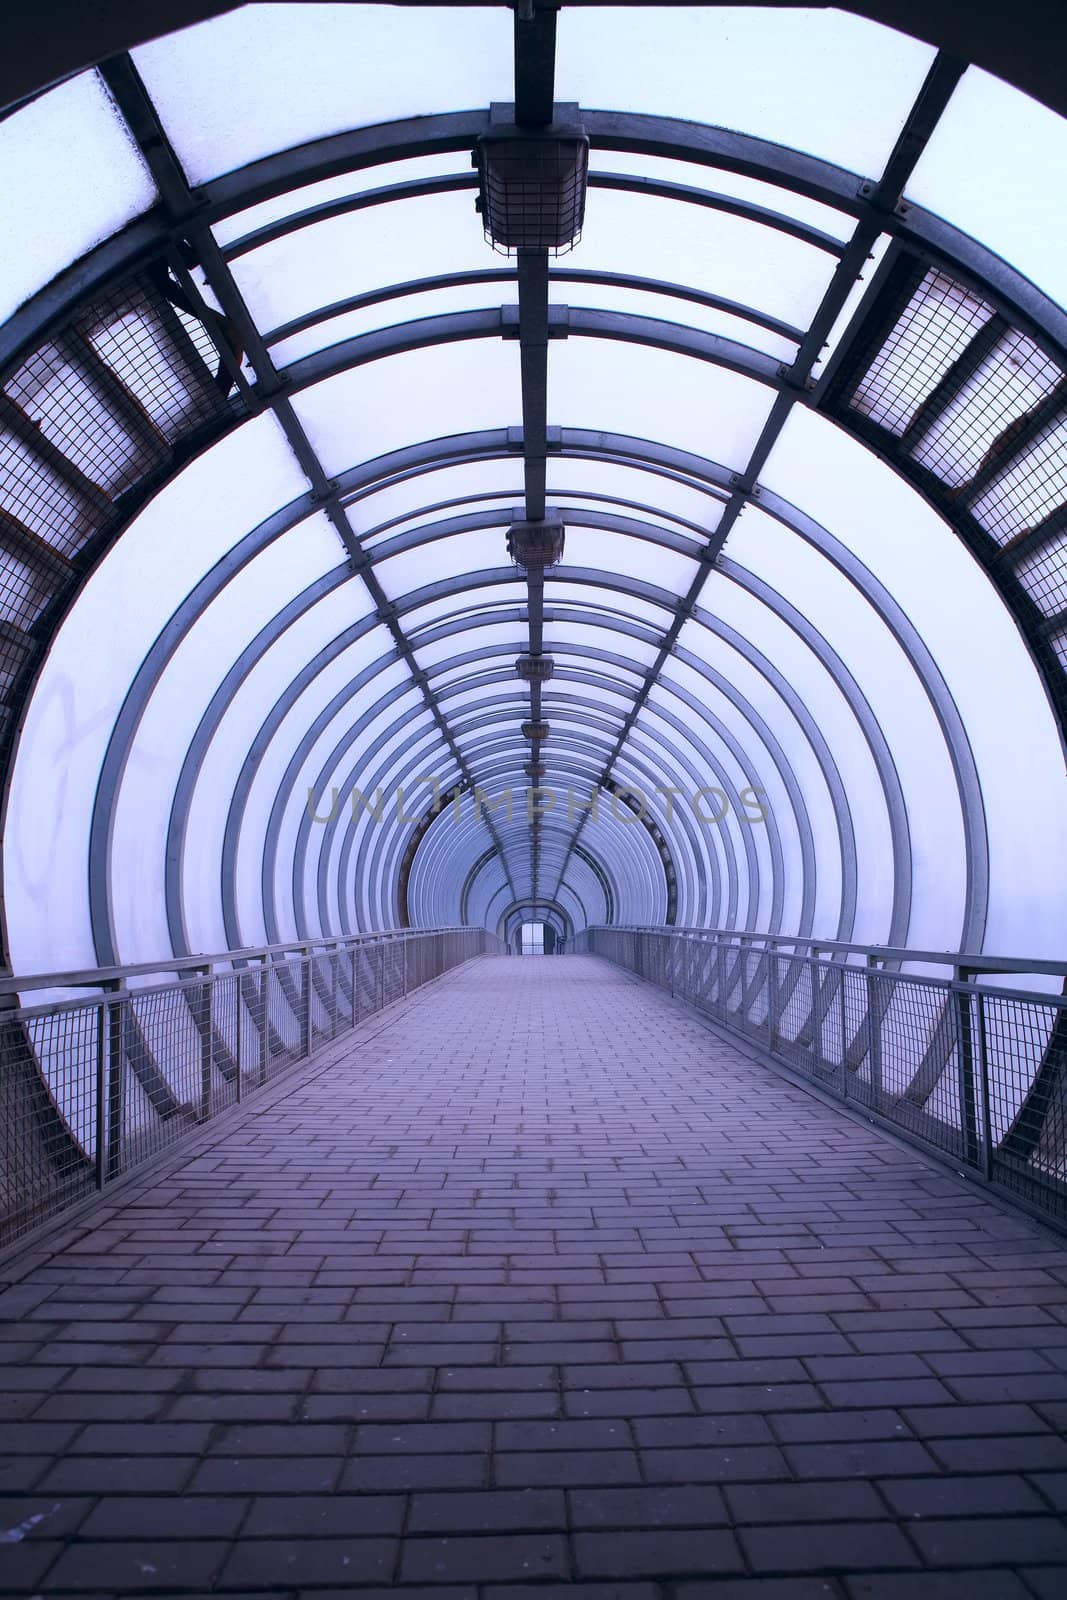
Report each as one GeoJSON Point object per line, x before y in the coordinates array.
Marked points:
{"type": "Point", "coordinates": [964, 960]}
{"type": "Point", "coordinates": [115, 977]}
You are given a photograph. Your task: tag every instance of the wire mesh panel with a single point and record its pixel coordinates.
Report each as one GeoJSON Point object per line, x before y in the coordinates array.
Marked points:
{"type": "Point", "coordinates": [936, 327]}
{"type": "Point", "coordinates": [752, 1001]}
{"type": "Point", "coordinates": [1024, 1092]}
{"type": "Point", "coordinates": [322, 997]}
{"type": "Point", "coordinates": [795, 994]}
{"type": "Point", "coordinates": [1043, 571]}
{"type": "Point", "coordinates": [367, 960]}
{"type": "Point", "coordinates": [90, 420]}
{"type": "Point", "coordinates": [973, 411]}
{"type": "Point", "coordinates": [47, 1156]}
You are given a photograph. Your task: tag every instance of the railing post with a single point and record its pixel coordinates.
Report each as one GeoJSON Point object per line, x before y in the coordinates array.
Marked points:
{"type": "Point", "coordinates": [772, 996]}
{"type": "Point", "coordinates": [983, 1069]}
{"type": "Point", "coordinates": [204, 1011]}
{"type": "Point", "coordinates": [404, 961]}
{"type": "Point", "coordinates": [114, 1081]}
{"type": "Point", "coordinates": [355, 990]}
{"type": "Point", "coordinates": [817, 1006]}
{"type": "Point", "coordinates": [101, 1093]}
{"type": "Point", "coordinates": [845, 969]}
{"type": "Point", "coordinates": [968, 1103]}
{"type": "Point", "coordinates": [263, 1020]}
{"type": "Point", "coordinates": [874, 1033]}
{"type": "Point", "coordinates": [237, 1029]}
{"type": "Point", "coordinates": [305, 1005]}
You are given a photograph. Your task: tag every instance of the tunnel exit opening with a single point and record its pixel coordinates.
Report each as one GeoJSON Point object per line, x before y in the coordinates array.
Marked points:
{"type": "Point", "coordinates": [537, 939]}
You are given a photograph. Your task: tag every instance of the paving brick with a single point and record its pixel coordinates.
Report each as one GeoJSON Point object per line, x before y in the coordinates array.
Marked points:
{"type": "Point", "coordinates": [568, 1435]}
{"type": "Point", "coordinates": [138, 1565]}
{"type": "Point", "coordinates": [677, 1506]}
{"type": "Point", "coordinates": [1029, 1453]}
{"type": "Point", "coordinates": [733, 1464]}
{"type": "Point", "coordinates": [117, 1475]}
{"type": "Point", "coordinates": [826, 1547]}
{"type": "Point", "coordinates": [488, 1511]}
{"type": "Point", "coordinates": [555, 1591]}
{"type": "Point", "coordinates": [628, 1402]}
{"type": "Point", "coordinates": [1048, 1583]}
{"type": "Point", "coordinates": [296, 1562]}
{"type": "Point", "coordinates": [1000, 1585]}
{"type": "Point", "coordinates": [631, 1374]}
{"type": "Point", "coordinates": [266, 1475]}
{"type": "Point", "coordinates": [656, 1552]}
{"type": "Point", "coordinates": [423, 1438]}
{"type": "Point", "coordinates": [492, 1558]}
{"type": "Point", "coordinates": [866, 1458]}
{"type": "Point", "coordinates": [846, 1500]}
{"type": "Point", "coordinates": [683, 1432]}
{"type": "Point", "coordinates": [566, 1468]}
{"type": "Point", "coordinates": [384, 1474]}
{"type": "Point", "coordinates": [164, 1517]}
{"type": "Point", "coordinates": [811, 1427]}
{"type": "Point", "coordinates": [995, 1495]}
{"type": "Point", "coordinates": [988, 1541]}
{"type": "Point", "coordinates": [940, 1422]}
{"type": "Point", "coordinates": [793, 1588]}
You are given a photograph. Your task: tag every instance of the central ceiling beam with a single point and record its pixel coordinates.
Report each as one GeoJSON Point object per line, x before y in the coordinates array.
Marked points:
{"type": "Point", "coordinates": [535, 76]}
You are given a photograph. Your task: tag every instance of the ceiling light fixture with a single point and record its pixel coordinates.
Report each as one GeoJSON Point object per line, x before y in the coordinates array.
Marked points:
{"type": "Point", "coordinates": [532, 184]}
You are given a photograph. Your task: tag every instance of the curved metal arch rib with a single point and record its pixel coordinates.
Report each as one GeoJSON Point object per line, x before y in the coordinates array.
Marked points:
{"type": "Point", "coordinates": [425, 458]}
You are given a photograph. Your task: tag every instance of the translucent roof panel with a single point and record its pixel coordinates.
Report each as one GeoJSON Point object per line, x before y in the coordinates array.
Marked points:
{"type": "Point", "coordinates": [994, 167]}
{"type": "Point", "coordinates": [327, 190]}
{"type": "Point", "coordinates": [949, 602]}
{"type": "Point", "coordinates": [745, 261]}
{"type": "Point", "coordinates": [442, 558]}
{"type": "Point", "coordinates": [716, 180]}
{"type": "Point", "coordinates": [630, 486]}
{"type": "Point", "coordinates": [748, 67]}
{"type": "Point", "coordinates": [468, 602]}
{"type": "Point", "coordinates": [655, 394]}
{"type": "Point", "coordinates": [311, 70]}
{"type": "Point", "coordinates": [639, 558]}
{"type": "Point", "coordinates": [383, 512]}
{"type": "Point", "coordinates": [384, 314]}
{"type": "Point", "coordinates": [348, 255]}
{"type": "Point", "coordinates": [142, 809]}
{"type": "Point", "coordinates": [71, 176]}
{"type": "Point", "coordinates": [562, 634]}
{"type": "Point", "coordinates": [176, 540]}
{"type": "Point", "coordinates": [363, 413]}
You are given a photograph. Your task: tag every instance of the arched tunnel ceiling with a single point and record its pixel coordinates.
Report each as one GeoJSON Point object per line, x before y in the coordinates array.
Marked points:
{"type": "Point", "coordinates": [797, 397]}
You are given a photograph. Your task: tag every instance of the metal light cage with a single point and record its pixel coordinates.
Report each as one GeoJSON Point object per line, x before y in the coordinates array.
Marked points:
{"type": "Point", "coordinates": [536, 544]}
{"type": "Point", "coordinates": [532, 190]}
{"type": "Point", "coordinates": [535, 769]}
{"type": "Point", "coordinates": [535, 730]}
{"type": "Point", "coordinates": [535, 669]}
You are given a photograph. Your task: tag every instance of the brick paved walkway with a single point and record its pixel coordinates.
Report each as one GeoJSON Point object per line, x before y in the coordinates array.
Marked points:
{"type": "Point", "coordinates": [535, 1282]}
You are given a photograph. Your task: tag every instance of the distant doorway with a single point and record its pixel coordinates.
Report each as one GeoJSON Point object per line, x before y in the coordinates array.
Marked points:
{"type": "Point", "coordinates": [532, 939]}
